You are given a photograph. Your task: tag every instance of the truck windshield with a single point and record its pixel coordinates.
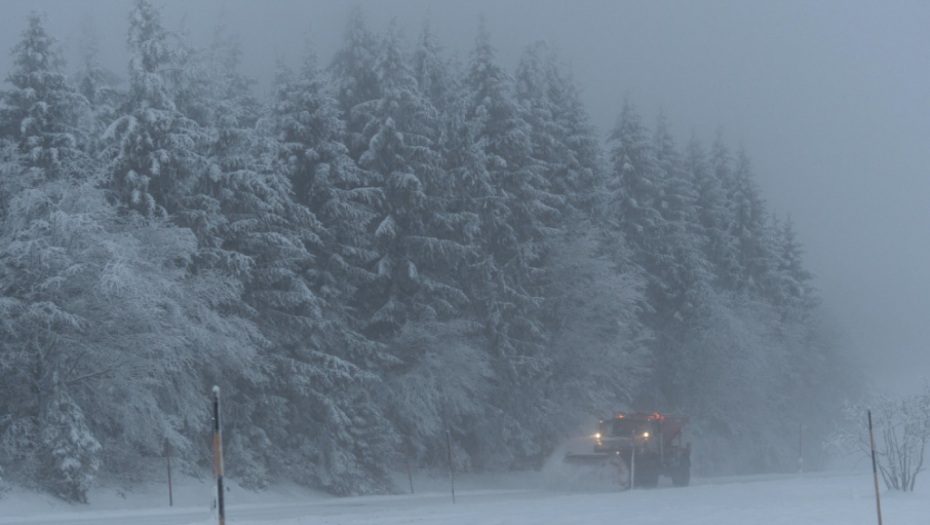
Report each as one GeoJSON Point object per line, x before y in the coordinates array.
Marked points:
{"type": "Point", "coordinates": [627, 427]}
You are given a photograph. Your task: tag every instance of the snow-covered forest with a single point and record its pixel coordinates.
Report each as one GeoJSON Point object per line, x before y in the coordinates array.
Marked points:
{"type": "Point", "coordinates": [395, 244]}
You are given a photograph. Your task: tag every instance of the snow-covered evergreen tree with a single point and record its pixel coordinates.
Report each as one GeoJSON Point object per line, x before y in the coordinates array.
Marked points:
{"type": "Point", "coordinates": [749, 229]}
{"type": "Point", "coordinates": [154, 147]}
{"type": "Point", "coordinates": [506, 189]}
{"type": "Point", "coordinates": [98, 85]}
{"type": "Point", "coordinates": [402, 248]}
{"type": "Point", "coordinates": [637, 187]}
{"type": "Point", "coordinates": [713, 183]}
{"type": "Point", "coordinates": [681, 277]}
{"type": "Point", "coordinates": [355, 79]}
{"type": "Point", "coordinates": [324, 178]}
{"type": "Point", "coordinates": [72, 458]}
{"type": "Point", "coordinates": [600, 345]}
{"type": "Point", "coordinates": [796, 293]}
{"type": "Point", "coordinates": [682, 267]}
{"type": "Point", "coordinates": [635, 233]}
{"type": "Point", "coordinates": [108, 341]}
{"type": "Point", "coordinates": [564, 142]}
{"type": "Point", "coordinates": [41, 111]}
{"type": "Point", "coordinates": [433, 73]}
{"type": "Point", "coordinates": [443, 384]}
{"type": "Point", "coordinates": [419, 261]}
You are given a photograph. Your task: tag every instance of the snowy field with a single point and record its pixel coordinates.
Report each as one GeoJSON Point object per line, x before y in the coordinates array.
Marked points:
{"type": "Point", "coordinates": [833, 498]}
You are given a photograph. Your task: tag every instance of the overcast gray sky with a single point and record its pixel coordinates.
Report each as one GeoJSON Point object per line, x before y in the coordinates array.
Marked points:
{"type": "Point", "coordinates": [830, 98]}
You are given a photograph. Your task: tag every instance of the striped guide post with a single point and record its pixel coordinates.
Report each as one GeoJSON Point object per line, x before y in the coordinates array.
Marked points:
{"type": "Point", "coordinates": [878, 501]}
{"type": "Point", "coordinates": [451, 475]}
{"type": "Point", "coordinates": [218, 456]}
{"type": "Point", "coordinates": [800, 448]}
{"type": "Point", "coordinates": [168, 459]}
{"type": "Point", "coordinates": [632, 465]}
{"type": "Point", "coordinates": [407, 462]}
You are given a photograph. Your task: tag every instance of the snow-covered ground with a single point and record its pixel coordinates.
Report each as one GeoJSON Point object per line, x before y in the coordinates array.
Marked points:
{"type": "Point", "coordinates": [831, 498]}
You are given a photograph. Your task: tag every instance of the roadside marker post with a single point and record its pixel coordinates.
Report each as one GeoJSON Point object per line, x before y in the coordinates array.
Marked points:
{"type": "Point", "coordinates": [878, 501]}
{"type": "Point", "coordinates": [407, 462]}
{"type": "Point", "coordinates": [218, 456]}
{"type": "Point", "coordinates": [800, 448]}
{"type": "Point", "coordinates": [451, 475]}
{"type": "Point", "coordinates": [168, 459]}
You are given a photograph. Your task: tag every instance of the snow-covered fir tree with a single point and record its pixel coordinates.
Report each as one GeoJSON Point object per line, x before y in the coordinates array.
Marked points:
{"type": "Point", "coordinates": [355, 79]}
{"type": "Point", "coordinates": [391, 248]}
{"type": "Point", "coordinates": [41, 110]}
{"type": "Point", "coordinates": [637, 187]}
{"type": "Point", "coordinates": [108, 337]}
{"type": "Point", "coordinates": [98, 85]}
{"type": "Point", "coordinates": [312, 152]}
{"type": "Point", "coordinates": [749, 228]}
{"type": "Point", "coordinates": [153, 145]}
{"type": "Point", "coordinates": [419, 260]}
{"type": "Point", "coordinates": [508, 192]}
{"type": "Point", "coordinates": [564, 142]}
{"type": "Point", "coordinates": [434, 74]}
{"type": "Point", "coordinates": [796, 292]}
{"type": "Point", "coordinates": [714, 212]}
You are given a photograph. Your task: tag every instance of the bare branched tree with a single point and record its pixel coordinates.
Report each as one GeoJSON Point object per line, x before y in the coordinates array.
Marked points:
{"type": "Point", "coordinates": [902, 430]}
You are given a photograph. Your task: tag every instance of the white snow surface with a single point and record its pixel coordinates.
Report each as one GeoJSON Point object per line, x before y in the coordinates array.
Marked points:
{"type": "Point", "coordinates": [824, 498]}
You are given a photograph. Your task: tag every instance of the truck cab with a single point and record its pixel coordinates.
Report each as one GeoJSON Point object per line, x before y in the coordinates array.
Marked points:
{"type": "Point", "coordinates": [647, 442]}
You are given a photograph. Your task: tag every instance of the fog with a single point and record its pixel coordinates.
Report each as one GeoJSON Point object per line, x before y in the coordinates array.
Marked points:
{"type": "Point", "coordinates": [829, 98]}
{"type": "Point", "coordinates": [397, 260]}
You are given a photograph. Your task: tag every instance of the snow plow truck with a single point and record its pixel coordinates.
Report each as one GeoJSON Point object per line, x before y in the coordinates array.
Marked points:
{"type": "Point", "coordinates": [639, 448]}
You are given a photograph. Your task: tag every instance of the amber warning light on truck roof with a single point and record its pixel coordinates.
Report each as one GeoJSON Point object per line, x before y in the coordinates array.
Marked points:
{"type": "Point", "coordinates": [654, 415]}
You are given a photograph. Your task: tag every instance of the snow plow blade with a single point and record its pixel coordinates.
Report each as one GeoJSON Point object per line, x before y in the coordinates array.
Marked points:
{"type": "Point", "coordinates": [596, 472]}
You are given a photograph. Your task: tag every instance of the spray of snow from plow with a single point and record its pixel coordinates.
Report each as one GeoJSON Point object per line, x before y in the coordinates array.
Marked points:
{"type": "Point", "coordinates": [600, 473]}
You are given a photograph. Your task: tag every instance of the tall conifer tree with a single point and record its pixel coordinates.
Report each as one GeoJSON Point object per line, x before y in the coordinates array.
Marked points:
{"type": "Point", "coordinates": [41, 111]}
{"type": "Point", "coordinates": [156, 161]}
{"type": "Point", "coordinates": [355, 79]}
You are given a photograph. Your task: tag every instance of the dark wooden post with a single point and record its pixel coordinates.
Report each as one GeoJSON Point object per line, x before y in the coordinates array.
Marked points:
{"type": "Point", "coordinates": [218, 456]}
{"type": "Point", "coordinates": [168, 459]}
{"type": "Point", "coordinates": [451, 475]}
{"type": "Point", "coordinates": [878, 500]}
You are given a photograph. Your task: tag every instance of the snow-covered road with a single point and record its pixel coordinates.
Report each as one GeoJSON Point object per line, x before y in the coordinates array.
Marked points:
{"type": "Point", "coordinates": [811, 499]}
